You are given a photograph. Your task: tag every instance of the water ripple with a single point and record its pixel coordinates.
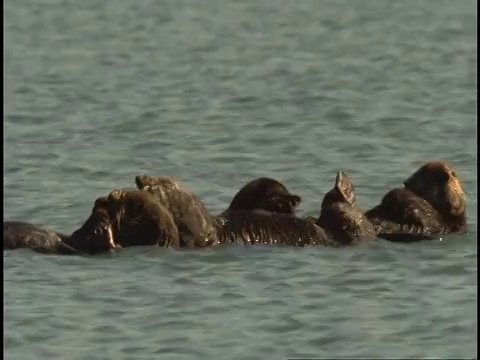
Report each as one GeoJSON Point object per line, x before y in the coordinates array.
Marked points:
{"type": "Point", "coordinates": [215, 94]}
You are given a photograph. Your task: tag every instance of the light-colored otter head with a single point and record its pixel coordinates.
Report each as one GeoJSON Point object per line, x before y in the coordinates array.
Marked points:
{"type": "Point", "coordinates": [343, 191]}
{"type": "Point", "coordinates": [438, 183]}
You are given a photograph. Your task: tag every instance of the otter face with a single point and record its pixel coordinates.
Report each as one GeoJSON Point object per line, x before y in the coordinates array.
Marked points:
{"type": "Point", "coordinates": [118, 204]}
{"type": "Point", "coordinates": [438, 183]}
{"type": "Point", "coordinates": [96, 234]}
{"type": "Point", "coordinates": [103, 238]}
{"type": "Point", "coordinates": [342, 192]}
{"type": "Point", "coordinates": [265, 194]}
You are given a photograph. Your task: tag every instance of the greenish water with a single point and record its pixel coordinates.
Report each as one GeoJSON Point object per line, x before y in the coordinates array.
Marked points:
{"type": "Point", "coordinates": [216, 93]}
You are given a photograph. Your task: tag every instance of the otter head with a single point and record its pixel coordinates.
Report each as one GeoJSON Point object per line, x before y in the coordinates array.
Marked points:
{"type": "Point", "coordinates": [343, 191]}
{"type": "Point", "coordinates": [119, 203]}
{"type": "Point", "coordinates": [131, 208]}
{"type": "Point", "coordinates": [162, 187]}
{"type": "Point", "coordinates": [438, 183]}
{"type": "Point", "coordinates": [164, 182]}
{"type": "Point", "coordinates": [265, 194]}
{"type": "Point", "coordinates": [96, 234]}
{"type": "Point", "coordinates": [140, 219]}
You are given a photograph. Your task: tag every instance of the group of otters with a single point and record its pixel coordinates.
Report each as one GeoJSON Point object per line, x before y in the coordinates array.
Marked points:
{"type": "Point", "coordinates": [162, 212]}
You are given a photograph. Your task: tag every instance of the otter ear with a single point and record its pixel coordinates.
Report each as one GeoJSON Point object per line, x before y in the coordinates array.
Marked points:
{"type": "Point", "coordinates": [345, 188]}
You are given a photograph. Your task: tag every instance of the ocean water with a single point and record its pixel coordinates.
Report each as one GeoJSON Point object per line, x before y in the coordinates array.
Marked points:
{"type": "Point", "coordinates": [216, 93]}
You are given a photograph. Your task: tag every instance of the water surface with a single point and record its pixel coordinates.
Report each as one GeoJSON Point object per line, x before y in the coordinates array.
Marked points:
{"type": "Point", "coordinates": [216, 93]}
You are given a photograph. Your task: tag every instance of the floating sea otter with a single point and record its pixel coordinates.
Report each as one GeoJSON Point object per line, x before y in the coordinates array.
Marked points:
{"type": "Point", "coordinates": [196, 226]}
{"type": "Point", "coordinates": [340, 216]}
{"type": "Point", "coordinates": [93, 237]}
{"type": "Point", "coordinates": [138, 219]}
{"type": "Point", "coordinates": [265, 194]}
{"type": "Point", "coordinates": [431, 204]}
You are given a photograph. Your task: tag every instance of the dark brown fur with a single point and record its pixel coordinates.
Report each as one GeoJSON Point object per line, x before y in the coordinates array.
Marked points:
{"type": "Point", "coordinates": [265, 194]}
{"type": "Point", "coordinates": [431, 203]}
{"type": "Point", "coordinates": [196, 226]}
{"type": "Point", "coordinates": [248, 227]}
{"type": "Point", "coordinates": [96, 234]}
{"type": "Point", "coordinates": [262, 227]}
{"type": "Point", "coordinates": [340, 217]}
{"type": "Point", "coordinates": [93, 237]}
{"type": "Point", "coordinates": [140, 220]}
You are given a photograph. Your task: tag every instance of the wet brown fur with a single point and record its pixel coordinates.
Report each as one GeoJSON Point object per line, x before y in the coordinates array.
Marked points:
{"type": "Point", "coordinates": [93, 237]}
{"type": "Point", "coordinates": [265, 194]}
{"type": "Point", "coordinates": [140, 220]}
{"type": "Point", "coordinates": [340, 217]}
{"type": "Point", "coordinates": [96, 234]}
{"type": "Point", "coordinates": [240, 226]}
{"type": "Point", "coordinates": [263, 227]}
{"type": "Point", "coordinates": [196, 226]}
{"type": "Point", "coordinates": [431, 203]}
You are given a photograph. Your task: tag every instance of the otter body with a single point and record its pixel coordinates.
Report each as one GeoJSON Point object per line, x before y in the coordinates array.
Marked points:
{"type": "Point", "coordinates": [93, 237]}
{"type": "Point", "coordinates": [138, 219]}
{"type": "Point", "coordinates": [431, 204]}
{"type": "Point", "coordinates": [262, 227]}
{"type": "Point", "coordinates": [404, 216]}
{"type": "Point", "coordinates": [19, 234]}
{"type": "Point", "coordinates": [196, 226]}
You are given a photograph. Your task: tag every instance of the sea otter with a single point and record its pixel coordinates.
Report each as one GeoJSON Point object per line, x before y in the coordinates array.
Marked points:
{"type": "Point", "coordinates": [265, 194]}
{"type": "Point", "coordinates": [93, 237]}
{"type": "Point", "coordinates": [138, 219]}
{"type": "Point", "coordinates": [430, 204]}
{"type": "Point", "coordinates": [196, 226]}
